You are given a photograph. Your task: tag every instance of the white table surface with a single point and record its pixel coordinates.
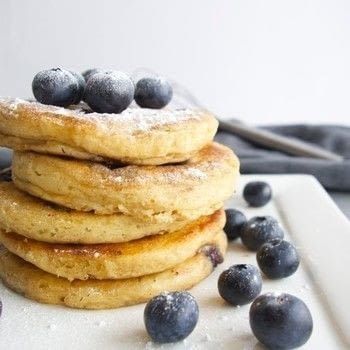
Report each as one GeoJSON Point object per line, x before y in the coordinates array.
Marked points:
{"type": "Point", "coordinates": [342, 199]}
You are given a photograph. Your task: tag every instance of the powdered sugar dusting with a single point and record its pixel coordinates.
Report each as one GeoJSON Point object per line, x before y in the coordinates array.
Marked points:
{"type": "Point", "coordinates": [169, 174]}
{"type": "Point", "coordinates": [196, 173]}
{"type": "Point", "coordinates": [200, 168]}
{"type": "Point", "coordinates": [130, 120]}
{"type": "Point", "coordinates": [14, 103]}
{"type": "Point", "coordinates": [91, 251]}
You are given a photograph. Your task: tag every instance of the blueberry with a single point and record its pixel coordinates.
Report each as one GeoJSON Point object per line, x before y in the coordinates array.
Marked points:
{"type": "Point", "coordinates": [280, 321]}
{"type": "Point", "coordinates": [257, 193]}
{"type": "Point", "coordinates": [259, 230]}
{"type": "Point", "coordinates": [212, 252]}
{"type": "Point", "coordinates": [56, 87]}
{"type": "Point", "coordinates": [109, 92]}
{"type": "Point", "coordinates": [171, 317]}
{"type": "Point", "coordinates": [90, 72]}
{"type": "Point", "coordinates": [6, 175]}
{"type": "Point", "coordinates": [277, 258]}
{"type": "Point", "coordinates": [81, 86]}
{"type": "Point", "coordinates": [153, 92]}
{"type": "Point", "coordinates": [240, 284]}
{"type": "Point", "coordinates": [235, 220]}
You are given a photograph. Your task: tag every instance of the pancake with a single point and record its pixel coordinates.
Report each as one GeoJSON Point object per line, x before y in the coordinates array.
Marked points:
{"type": "Point", "coordinates": [33, 283]}
{"type": "Point", "coordinates": [119, 260]}
{"type": "Point", "coordinates": [40, 220]}
{"type": "Point", "coordinates": [135, 136]}
{"type": "Point", "coordinates": [183, 191]}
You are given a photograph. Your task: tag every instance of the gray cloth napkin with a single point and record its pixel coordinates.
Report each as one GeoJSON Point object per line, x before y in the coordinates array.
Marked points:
{"type": "Point", "coordinates": [332, 175]}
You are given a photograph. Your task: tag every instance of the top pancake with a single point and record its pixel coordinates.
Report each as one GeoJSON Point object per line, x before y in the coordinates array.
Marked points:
{"type": "Point", "coordinates": [135, 136]}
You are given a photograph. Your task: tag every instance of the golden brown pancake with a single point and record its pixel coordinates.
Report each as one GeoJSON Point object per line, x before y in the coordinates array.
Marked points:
{"type": "Point", "coordinates": [119, 260]}
{"type": "Point", "coordinates": [33, 283]}
{"type": "Point", "coordinates": [184, 191]}
{"type": "Point", "coordinates": [135, 136]}
{"type": "Point", "coordinates": [43, 221]}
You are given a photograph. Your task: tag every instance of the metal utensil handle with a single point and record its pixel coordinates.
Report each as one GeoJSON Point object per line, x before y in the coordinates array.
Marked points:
{"type": "Point", "coordinates": [278, 142]}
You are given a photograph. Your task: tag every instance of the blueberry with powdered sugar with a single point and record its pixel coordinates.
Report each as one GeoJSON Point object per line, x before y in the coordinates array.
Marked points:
{"type": "Point", "coordinates": [81, 86]}
{"type": "Point", "coordinates": [235, 221]}
{"type": "Point", "coordinates": [171, 317]}
{"type": "Point", "coordinates": [153, 92]}
{"type": "Point", "coordinates": [57, 87]}
{"type": "Point", "coordinates": [257, 193]}
{"type": "Point", "coordinates": [109, 92]}
{"type": "Point", "coordinates": [278, 258]}
{"type": "Point", "coordinates": [240, 284]}
{"type": "Point", "coordinates": [90, 72]}
{"type": "Point", "coordinates": [259, 230]}
{"type": "Point", "coordinates": [280, 321]}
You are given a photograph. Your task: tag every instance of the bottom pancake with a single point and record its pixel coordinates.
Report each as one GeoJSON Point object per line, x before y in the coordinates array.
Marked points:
{"type": "Point", "coordinates": [33, 283]}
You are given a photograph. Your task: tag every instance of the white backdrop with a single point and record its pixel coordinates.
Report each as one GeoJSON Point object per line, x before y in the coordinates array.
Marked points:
{"type": "Point", "coordinates": [262, 61]}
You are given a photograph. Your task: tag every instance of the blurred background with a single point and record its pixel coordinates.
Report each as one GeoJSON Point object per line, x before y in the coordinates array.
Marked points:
{"type": "Point", "coordinates": [264, 62]}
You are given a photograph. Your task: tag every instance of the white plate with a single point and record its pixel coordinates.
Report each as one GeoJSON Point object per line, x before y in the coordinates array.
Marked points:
{"type": "Point", "coordinates": [312, 221]}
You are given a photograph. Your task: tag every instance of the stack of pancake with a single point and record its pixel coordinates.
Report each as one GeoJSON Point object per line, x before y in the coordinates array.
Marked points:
{"type": "Point", "coordinates": [106, 210]}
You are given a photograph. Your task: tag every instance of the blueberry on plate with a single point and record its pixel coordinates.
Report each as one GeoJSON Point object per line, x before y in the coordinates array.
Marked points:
{"type": "Point", "coordinates": [171, 317]}
{"type": "Point", "coordinates": [277, 258]}
{"type": "Point", "coordinates": [235, 220]}
{"type": "Point", "coordinates": [56, 86]}
{"type": "Point", "coordinates": [81, 86]}
{"type": "Point", "coordinates": [153, 92]}
{"type": "Point", "coordinates": [259, 230]}
{"type": "Point", "coordinates": [109, 92]}
{"type": "Point", "coordinates": [87, 74]}
{"type": "Point", "coordinates": [257, 193]}
{"type": "Point", "coordinates": [280, 321]}
{"type": "Point", "coordinates": [240, 284]}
